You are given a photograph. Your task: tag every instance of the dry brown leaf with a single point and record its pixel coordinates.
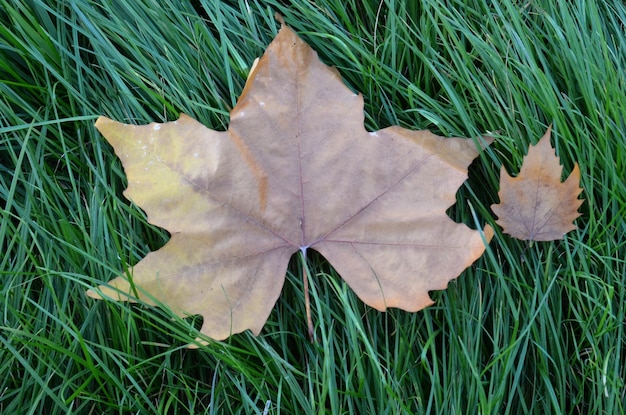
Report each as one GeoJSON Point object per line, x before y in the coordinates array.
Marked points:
{"type": "Point", "coordinates": [535, 205]}
{"type": "Point", "coordinates": [296, 170]}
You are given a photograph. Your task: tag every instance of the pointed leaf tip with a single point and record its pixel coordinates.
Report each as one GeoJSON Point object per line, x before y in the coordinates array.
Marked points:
{"type": "Point", "coordinates": [279, 17]}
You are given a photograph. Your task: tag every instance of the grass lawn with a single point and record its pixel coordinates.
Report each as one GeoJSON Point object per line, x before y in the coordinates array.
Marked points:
{"type": "Point", "coordinates": [529, 328]}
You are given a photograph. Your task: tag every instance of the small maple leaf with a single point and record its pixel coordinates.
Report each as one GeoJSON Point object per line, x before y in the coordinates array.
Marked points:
{"type": "Point", "coordinates": [296, 170]}
{"type": "Point", "coordinates": [535, 205]}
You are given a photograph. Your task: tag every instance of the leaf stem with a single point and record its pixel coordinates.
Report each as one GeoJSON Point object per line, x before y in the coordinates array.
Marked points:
{"type": "Point", "coordinates": [307, 300]}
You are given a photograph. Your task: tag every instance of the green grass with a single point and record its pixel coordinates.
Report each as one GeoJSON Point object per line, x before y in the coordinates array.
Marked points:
{"type": "Point", "coordinates": [527, 329]}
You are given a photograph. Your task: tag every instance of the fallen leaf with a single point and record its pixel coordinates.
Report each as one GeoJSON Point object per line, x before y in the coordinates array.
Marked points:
{"type": "Point", "coordinates": [535, 205]}
{"type": "Point", "coordinates": [296, 170]}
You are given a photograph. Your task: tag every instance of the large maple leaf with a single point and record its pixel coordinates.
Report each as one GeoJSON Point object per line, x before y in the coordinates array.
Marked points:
{"type": "Point", "coordinates": [535, 205]}
{"type": "Point", "coordinates": [296, 170]}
